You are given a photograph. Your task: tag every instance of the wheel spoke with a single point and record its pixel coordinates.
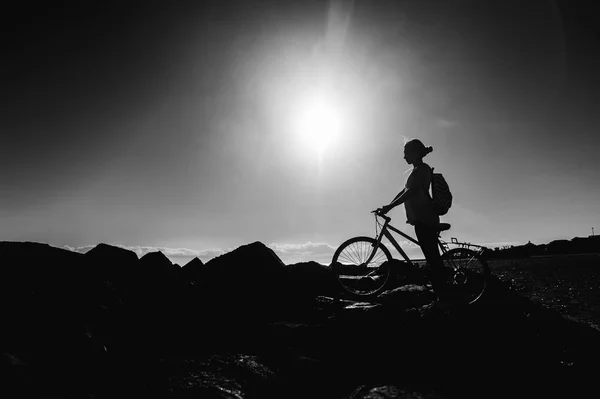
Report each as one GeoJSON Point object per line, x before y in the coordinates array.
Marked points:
{"type": "Point", "coordinates": [356, 255]}
{"type": "Point", "coordinates": [473, 259]}
{"type": "Point", "coordinates": [361, 252]}
{"type": "Point", "coordinates": [351, 256]}
{"type": "Point", "coordinates": [452, 263]}
{"type": "Point", "coordinates": [374, 258]}
{"type": "Point", "coordinates": [346, 257]}
{"type": "Point", "coordinates": [365, 252]}
{"type": "Point", "coordinates": [474, 269]}
{"type": "Point", "coordinates": [363, 256]}
{"type": "Point", "coordinates": [357, 252]}
{"type": "Point", "coordinates": [380, 256]}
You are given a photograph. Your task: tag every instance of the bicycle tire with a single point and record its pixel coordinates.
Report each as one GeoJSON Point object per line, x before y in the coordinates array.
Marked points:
{"type": "Point", "coordinates": [469, 274]}
{"type": "Point", "coordinates": [351, 272]}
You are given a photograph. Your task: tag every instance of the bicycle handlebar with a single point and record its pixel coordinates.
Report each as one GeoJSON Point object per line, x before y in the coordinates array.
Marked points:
{"type": "Point", "coordinates": [377, 212]}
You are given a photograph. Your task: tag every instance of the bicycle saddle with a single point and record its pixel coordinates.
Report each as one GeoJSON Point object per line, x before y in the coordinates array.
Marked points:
{"type": "Point", "coordinates": [443, 227]}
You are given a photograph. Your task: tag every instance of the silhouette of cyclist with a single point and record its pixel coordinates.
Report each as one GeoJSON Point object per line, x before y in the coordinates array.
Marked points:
{"type": "Point", "coordinates": [420, 211]}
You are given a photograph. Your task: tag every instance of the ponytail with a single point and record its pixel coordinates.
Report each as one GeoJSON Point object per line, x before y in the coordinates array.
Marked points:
{"type": "Point", "coordinates": [419, 147]}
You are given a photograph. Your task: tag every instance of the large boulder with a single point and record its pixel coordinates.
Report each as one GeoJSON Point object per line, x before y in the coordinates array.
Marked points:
{"type": "Point", "coordinates": [40, 281]}
{"type": "Point", "coordinates": [192, 271]}
{"type": "Point", "coordinates": [156, 280]}
{"type": "Point", "coordinates": [38, 264]}
{"type": "Point", "coordinates": [312, 279]}
{"type": "Point", "coordinates": [246, 270]}
{"type": "Point", "coordinates": [112, 272]}
{"type": "Point", "coordinates": [112, 263]}
{"type": "Point", "coordinates": [248, 282]}
{"type": "Point", "coordinates": [44, 303]}
{"type": "Point", "coordinates": [157, 265]}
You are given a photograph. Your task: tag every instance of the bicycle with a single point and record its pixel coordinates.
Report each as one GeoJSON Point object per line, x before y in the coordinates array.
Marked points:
{"type": "Point", "coordinates": [362, 265]}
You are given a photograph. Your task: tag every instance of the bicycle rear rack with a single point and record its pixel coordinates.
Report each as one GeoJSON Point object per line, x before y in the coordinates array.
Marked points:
{"type": "Point", "coordinates": [479, 248]}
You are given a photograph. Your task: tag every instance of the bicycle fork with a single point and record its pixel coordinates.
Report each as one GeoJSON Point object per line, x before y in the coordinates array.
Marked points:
{"type": "Point", "coordinates": [375, 245]}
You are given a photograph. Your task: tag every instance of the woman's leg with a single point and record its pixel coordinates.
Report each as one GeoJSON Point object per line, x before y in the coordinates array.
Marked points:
{"type": "Point", "coordinates": [428, 240]}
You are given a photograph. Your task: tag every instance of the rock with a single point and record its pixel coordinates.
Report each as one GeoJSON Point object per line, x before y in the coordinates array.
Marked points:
{"type": "Point", "coordinates": [17, 377]}
{"type": "Point", "coordinates": [192, 271]}
{"type": "Point", "coordinates": [312, 279]}
{"type": "Point", "coordinates": [248, 282]}
{"type": "Point", "coordinates": [407, 296]}
{"type": "Point", "coordinates": [69, 335]}
{"type": "Point", "coordinates": [156, 266]}
{"type": "Point", "coordinates": [112, 263]}
{"type": "Point", "coordinates": [403, 273]}
{"type": "Point", "coordinates": [115, 254]}
{"type": "Point", "coordinates": [43, 297]}
{"type": "Point", "coordinates": [113, 272]}
{"type": "Point", "coordinates": [286, 334]}
{"type": "Point", "coordinates": [224, 376]}
{"type": "Point", "coordinates": [156, 272]}
{"type": "Point", "coordinates": [391, 391]}
{"type": "Point", "coordinates": [157, 282]}
{"type": "Point", "coordinates": [30, 265]}
{"type": "Point", "coordinates": [255, 262]}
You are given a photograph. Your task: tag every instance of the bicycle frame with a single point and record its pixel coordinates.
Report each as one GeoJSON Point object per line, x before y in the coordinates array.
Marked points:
{"type": "Point", "coordinates": [385, 233]}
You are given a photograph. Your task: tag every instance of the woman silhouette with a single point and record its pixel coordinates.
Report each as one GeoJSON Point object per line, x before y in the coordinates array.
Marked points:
{"type": "Point", "coordinates": [420, 211]}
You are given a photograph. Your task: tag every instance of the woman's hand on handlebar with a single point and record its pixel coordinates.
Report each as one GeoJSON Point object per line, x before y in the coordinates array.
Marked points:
{"type": "Point", "coordinates": [382, 211]}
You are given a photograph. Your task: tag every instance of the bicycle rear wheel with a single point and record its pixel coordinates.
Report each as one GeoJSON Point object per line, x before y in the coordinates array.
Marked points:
{"type": "Point", "coordinates": [467, 273]}
{"type": "Point", "coordinates": [361, 266]}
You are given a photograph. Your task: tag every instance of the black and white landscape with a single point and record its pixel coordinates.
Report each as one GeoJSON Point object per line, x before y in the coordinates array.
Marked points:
{"type": "Point", "coordinates": [176, 176]}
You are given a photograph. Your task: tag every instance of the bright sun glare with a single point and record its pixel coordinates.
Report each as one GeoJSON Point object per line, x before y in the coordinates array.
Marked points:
{"type": "Point", "coordinates": [318, 123]}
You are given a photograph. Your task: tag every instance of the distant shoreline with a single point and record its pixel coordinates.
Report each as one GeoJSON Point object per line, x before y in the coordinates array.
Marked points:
{"type": "Point", "coordinates": [596, 254]}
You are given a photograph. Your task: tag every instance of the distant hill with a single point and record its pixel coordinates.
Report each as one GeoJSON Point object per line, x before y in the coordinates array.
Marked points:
{"type": "Point", "coordinates": [577, 245]}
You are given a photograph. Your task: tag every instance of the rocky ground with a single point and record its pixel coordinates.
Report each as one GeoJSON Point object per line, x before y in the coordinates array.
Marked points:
{"type": "Point", "coordinates": [569, 284]}
{"type": "Point", "coordinates": [244, 325]}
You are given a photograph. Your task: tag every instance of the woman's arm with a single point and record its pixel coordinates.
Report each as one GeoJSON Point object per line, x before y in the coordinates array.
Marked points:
{"type": "Point", "coordinates": [399, 194]}
{"type": "Point", "coordinates": [399, 199]}
{"type": "Point", "coordinates": [387, 208]}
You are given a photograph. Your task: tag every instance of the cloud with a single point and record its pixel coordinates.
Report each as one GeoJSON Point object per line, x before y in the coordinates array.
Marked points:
{"type": "Point", "coordinates": [302, 249]}
{"type": "Point", "coordinates": [323, 252]}
{"type": "Point", "coordinates": [176, 254]}
{"type": "Point", "coordinates": [81, 250]}
{"type": "Point", "coordinates": [308, 251]}
{"type": "Point", "coordinates": [288, 253]}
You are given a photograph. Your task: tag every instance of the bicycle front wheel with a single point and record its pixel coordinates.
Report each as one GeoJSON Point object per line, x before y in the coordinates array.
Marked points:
{"type": "Point", "coordinates": [361, 266]}
{"type": "Point", "coordinates": [468, 273]}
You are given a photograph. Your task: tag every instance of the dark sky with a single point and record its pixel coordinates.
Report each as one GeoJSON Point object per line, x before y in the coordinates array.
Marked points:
{"type": "Point", "coordinates": [156, 123]}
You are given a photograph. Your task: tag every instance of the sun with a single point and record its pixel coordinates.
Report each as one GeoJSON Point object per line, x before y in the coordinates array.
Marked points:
{"type": "Point", "coordinates": [318, 123]}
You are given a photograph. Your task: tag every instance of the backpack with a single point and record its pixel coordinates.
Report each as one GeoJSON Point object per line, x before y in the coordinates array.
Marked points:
{"type": "Point", "coordinates": [440, 193]}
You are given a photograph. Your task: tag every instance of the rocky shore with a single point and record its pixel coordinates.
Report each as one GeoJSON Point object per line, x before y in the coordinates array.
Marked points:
{"type": "Point", "coordinates": [106, 324]}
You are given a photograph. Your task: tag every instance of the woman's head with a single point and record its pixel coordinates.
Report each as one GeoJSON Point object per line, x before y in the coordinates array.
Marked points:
{"type": "Point", "coordinates": [415, 150]}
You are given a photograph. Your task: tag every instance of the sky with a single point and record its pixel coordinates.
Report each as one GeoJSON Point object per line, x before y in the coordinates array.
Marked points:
{"type": "Point", "coordinates": [196, 127]}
